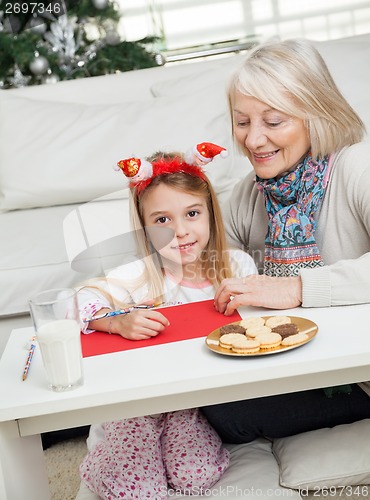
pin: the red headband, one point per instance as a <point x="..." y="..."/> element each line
<point x="141" y="172"/>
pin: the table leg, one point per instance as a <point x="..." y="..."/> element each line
<point x="23" y="473"/>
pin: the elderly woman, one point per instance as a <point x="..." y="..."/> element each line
<point x="304" y="216"/>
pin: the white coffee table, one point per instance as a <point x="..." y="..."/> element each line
<point x="163" y="378"/>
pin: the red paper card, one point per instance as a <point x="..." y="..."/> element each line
<point x="187" y="321"/>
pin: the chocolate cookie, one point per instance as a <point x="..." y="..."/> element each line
<point x="286" y="329"/>
<point x="232" y="329"/>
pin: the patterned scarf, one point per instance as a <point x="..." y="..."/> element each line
<point x="291" y="203"/>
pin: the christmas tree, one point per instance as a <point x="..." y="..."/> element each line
<point x="51" y="40"/>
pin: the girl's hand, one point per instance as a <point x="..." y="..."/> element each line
<point x="139" y="324"/>
<point x="259" y="291"/>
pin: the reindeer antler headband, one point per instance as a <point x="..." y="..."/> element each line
<point x="141" y="172"/>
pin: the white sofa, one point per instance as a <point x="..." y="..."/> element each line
<point x="58" y="144"/>
<point x="63" y="209"/>
<point x="316" y="464"/>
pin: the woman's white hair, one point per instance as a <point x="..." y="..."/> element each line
<point x="292" y="77"/>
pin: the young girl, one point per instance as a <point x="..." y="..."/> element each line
<point x="183" y="258"/>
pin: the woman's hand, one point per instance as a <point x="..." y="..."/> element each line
<point x="258" y="291"/>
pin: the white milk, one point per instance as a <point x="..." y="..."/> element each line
<point x="60" y="346"/>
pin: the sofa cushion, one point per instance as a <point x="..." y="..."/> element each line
<point x="55" y="153"/>
<point x="335" y="457"/>
<point x="353" y="77"/>
<point x="59" y="246"/>
<point x="200" y="77"/>
<point x="253" y="473"/>
<point x="119" y="87"/>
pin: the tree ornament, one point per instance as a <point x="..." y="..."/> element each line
<point x="50" y="77"/>
<point x="19" y="79"/>
<point x="100" y="4"/>
<point x="61" y="37"/>
<point x="1" y="20"/>
<point x="39" y="65"/>
<point x="37" y="25"/>
<point x="112" y="38"/>
<point x="75" y="42"/>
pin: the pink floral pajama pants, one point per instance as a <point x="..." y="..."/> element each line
<point x="142" y="457"/>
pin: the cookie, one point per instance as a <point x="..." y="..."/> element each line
<point x="227" y="339"/>
<point x="277" y="320"/>
<point x="286" y="329"/>
<point x="245" y="346"/>
<point x="269" y="340"/>
<point x="252" y="321"/>
<point x="232" y="329"/>
<point x="253" y="331"/>
<point x="298" y="338"/>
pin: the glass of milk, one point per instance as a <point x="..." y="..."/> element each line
<point x="56" y="321"/>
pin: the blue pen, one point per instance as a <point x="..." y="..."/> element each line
<point x="118" y="312"/>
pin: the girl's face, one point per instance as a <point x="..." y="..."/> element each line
<point x="187" y="217"/>
<point x="273" y="141"/>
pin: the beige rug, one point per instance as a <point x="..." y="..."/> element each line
<point x="63" y="460"/>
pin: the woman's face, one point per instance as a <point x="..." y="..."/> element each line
<point x="273" y="141"/>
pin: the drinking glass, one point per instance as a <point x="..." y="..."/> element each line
<point x="56" y="321"/>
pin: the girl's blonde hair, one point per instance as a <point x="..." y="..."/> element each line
<point x="292" y="77"/>
<point x="215" y="259"/>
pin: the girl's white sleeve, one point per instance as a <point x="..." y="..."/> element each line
<point x="242" y="263"/>
<point x="90" y="301"/>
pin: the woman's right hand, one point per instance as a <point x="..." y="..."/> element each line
<point x="139" y="324"/>
<point x="258" y="291"/>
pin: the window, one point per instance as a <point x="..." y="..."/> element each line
<point x="185" y="23"/>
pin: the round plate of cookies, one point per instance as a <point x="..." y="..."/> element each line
<point x="261" y="335"/>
